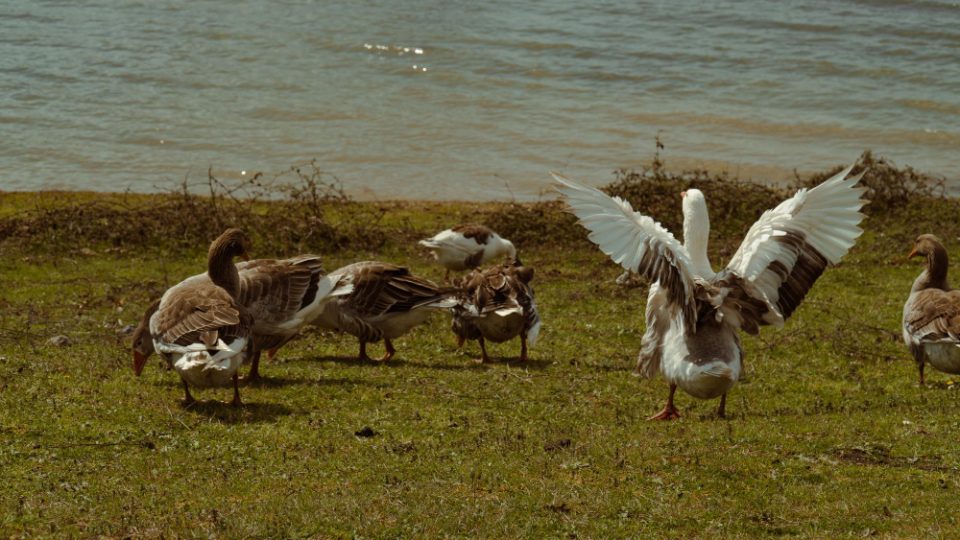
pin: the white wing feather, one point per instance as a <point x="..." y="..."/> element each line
<point x="827" y="219"/>
<point x="634" y="241"/>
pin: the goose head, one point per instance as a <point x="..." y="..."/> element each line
<point x="696" y="229"/>
<point x="232" y="243"/>
<point x="929" y="246"/>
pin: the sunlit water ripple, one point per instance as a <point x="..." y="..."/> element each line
<point x="469" y="100"/>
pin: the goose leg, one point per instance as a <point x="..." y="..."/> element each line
<point x="187" y="398"/>
<point x="920" y="367"/>
<point x="483" y="351"/>
<point x="523" y="347"/>
<point x="390" y="350"/>
<point x="363" y="351"/>
<point x="669" y="412"/>
<point x="460" y="340"/>
<point x="722" y="409"/>
<point x="254" y="374"/>
<point x="271" y="353"/>
<point x="236" y="391"/>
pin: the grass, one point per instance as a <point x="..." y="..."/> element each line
<point x="829" y="435"/>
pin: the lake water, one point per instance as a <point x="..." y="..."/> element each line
<point x="469" y="100"/>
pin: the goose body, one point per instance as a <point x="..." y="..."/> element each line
<point x="693" y="314"/>
<point x="385" y="301"/>
<point x="931" y="314"/>
<point x="497" y="304"/>
<point x="282" y="296"/>
<point x="468" y="246"/>
<point x="198" y="325"/>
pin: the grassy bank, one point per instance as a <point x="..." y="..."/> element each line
<point x="829" y="435"/>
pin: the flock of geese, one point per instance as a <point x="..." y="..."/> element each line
<point x="208" y="325"/>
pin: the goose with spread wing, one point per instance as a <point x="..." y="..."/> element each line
<point x="931" y="315"/>
<point x="693" y="314"/>
<point x="385" y="302"/>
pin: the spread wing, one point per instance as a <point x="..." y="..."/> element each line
<point x="636" y="242"/>
<point x="788" y="248"/>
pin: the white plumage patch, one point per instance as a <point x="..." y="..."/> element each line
<point x="633" y="240"/>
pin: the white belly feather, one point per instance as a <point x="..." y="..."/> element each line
<point x="704" y="372"/>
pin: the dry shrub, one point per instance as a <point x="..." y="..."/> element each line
<point x="889" y="188"/>
<point x="300" y="209"/>
<point x="533" y="224"/>
<point x="304" y="209"/>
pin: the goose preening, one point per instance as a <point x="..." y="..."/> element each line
<point x="282" y="296"/>
<point x="468" y="246"/>
<point x="694" y="314"/>
<point x="931" y="315"/>
<point x="198" y="325"/>
<point x="496" y="304"/>
<point x="386" y="301"/>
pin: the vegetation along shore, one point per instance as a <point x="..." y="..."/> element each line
<point x="828" y="435"/>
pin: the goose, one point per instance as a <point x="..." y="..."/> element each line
<point x="497" y="304"/>
<point x="386" y="301"/>
<point x="198" y="325"/>
<point x="693" y="314"/>
<point x="282" y="295"/>
<point x="467" y="246"/>
<point x="931" y="315"/>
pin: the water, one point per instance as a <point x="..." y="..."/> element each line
<point x="470" y="100"/>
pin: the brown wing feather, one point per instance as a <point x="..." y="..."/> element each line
<point x="274" y="290"/>
<point x="935" y="314"/>
<point x="479" y="233"/>
<point x="381" y="288"/>
<point x="189" y="311"/>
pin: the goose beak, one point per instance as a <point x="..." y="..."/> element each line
<point x="913" y="253"/>
<point x="683" y="194"/>
<point x="139" y="360"/>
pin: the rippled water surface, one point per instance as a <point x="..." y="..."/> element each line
<point x="468" y="100"/>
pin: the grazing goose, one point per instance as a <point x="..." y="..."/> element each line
<point x="694" y="314"/>
<point x="468" y="246"/>
<point x="497" y="304"/>
<point x="198" y="325"/>
<point x="282" y="296"/>
<point x="386" y="302"/>
<point x="931" y="316"/>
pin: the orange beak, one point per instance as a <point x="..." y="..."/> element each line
<point x="683" y="194"/>
<point x="913" y="252"/>
<point x="139" y="360"/>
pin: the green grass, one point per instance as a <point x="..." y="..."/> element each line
<point x="828" y="436"/>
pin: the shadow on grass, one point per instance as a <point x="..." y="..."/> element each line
<point x="460" y="363"/>
<point x="248" y="413"/>
<point x="282" y="382"/>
